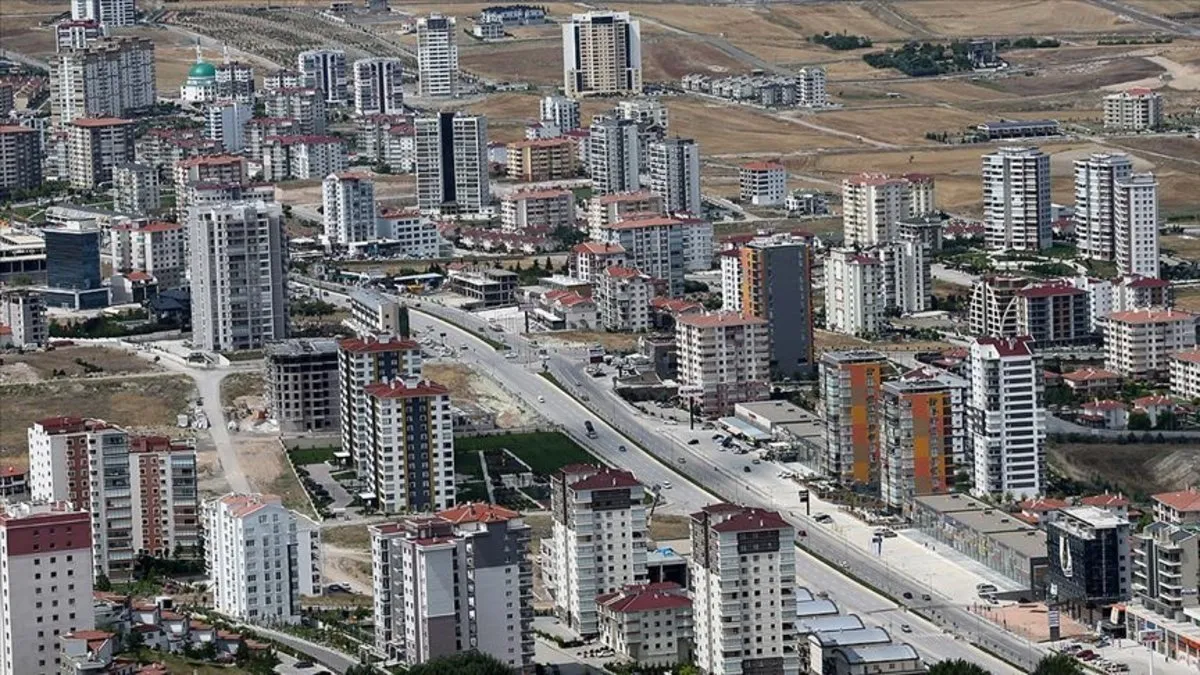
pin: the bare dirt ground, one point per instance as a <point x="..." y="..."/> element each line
<point x="68" y="361"/>
<point x="243" y="390"/>
<point x="1030" y="620"/>
<point x="469" y="385"/>
<point x="1136" y="468"/>
<point x="1012" y="17"/>
<point x="263" y="460"/>
<point x="612" y="342"/>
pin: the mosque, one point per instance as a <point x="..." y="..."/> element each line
<point x="201" y="84"/>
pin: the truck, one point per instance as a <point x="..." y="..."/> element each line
<point x="591" y="430"/>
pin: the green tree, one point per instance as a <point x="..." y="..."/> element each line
<point x="467" y="663"/>
<point x="103" y="584"/>
<point x="1058" y="664"/>
<point x="957" y="667"/>
<point x="1139" y="421"/>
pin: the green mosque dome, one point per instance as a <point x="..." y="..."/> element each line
<point x="202" y="70"/>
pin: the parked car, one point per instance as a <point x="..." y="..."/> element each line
<point x="621" y="448"/>
<point x="908" y="596"/>
<point x="905" y="628"/>
<point x="746" y="469"/>
<point x="925" y="597"/>
<point x="694" y="441"/>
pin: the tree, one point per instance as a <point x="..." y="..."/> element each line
<point x="103" y="584"/>
<point x="957" y="667"/>
<point x="467" y="663"/>
<point x="1058" y="664"/>
<point x="1138" y="421"/>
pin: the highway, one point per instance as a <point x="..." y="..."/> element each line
<point x="617" y="424"/>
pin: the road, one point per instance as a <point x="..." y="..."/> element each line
<point x="338" y="662"/>
<point x="1147" y="18"/>
<point x="617" y="425"/>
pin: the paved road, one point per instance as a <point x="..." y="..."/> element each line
<point x="1148" y="18"/>
<point x="338" y="662"/>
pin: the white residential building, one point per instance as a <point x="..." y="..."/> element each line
<point x="417" y="235"/>
<point x="763" y="183"/>
<point x="157" y="248"/>
<point x="731" y="281"/>
<point x="407" y="447"/>
<point x="724" y="358"/>
<point x="261" y="557"/>
<point x="110" y="13"/>
<point x="305" y="105"/>
<point x="602" y="54"/>
<point x="922" y="195"/>
<point x="1135" y="224"/>
<point x="302" y="157"/>
<point x="454" y="581"/>
<point x="746" y="552"/>
<point x="1139" y="343"/>
<point x="560" y="111"/>
<point x="590" y="258"/>
<point x="238" y="270"/>
<point x="1096" y="179"/>
<point x="674" y="168"/>
<point x="94" y="146"/>
<point x="1185" y="374"/>
<point x="604" y="210"/>
<point x="697" y="240"/>
<point x="654" y="245"/>
<point x="110" y="77"/>
<point x="373" y="312"/>
<point x="1016" y="199"/>
<point x="437" y="56"/>
<point x="1136" y="109"/>
<point x="24" y="313"/>
<point x="452" y="163"/>
<point x="364" y="361"/>
<point x="135" y="188"/>
<point x="77" y="33"/>
<point x="613" y="157"/>
<point x="810" y="87"/>
<point x="587" y="500"/>
<point x="545" y="210"/>
<point x="45" y="583"/>
<point x="854" y="293"/>
<point x="649" y="624"/>
<point x="324" y="70"/>
<point x="872" y="207"/>
<point x="349" y="201"/>
<point x="907" y="276"/>
<point x="1007" y="417"/>
<point x="225" y="123"/>
<point x="378" y="87"/>
<point x="622" y="295"/>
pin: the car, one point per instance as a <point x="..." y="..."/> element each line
<point x="908" y="595"/>
<point x="666" y="485"/>
<point x="823" y="518"/>
<point x="925" y="597"/>
<point x="303" y="664"/>
<point x="694" y="441"/>
<point x="756" y="461"/>
<point x="621" y="448"/>
<point x="510" y="356"/>
<point x="802" y="533"/>
<point x="683" y="460"/>
<point x="905" y="628"/>
<point x="746" y="469"/>
<point x="541" y="399"/>
<point x="717" y="437"/>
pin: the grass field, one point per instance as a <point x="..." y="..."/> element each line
<point x="303" y="456"/>
<point x="904" y="126"/>
<point x="348" y="536"/>
<point x="1188" y="299"/>
<point x="544" y="452"/>
<point x="141" y="403"/>
<point x="537" y="62"/>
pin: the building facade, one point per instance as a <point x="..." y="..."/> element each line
<point x="452" y="163"/>
<point x="154" y="247"/>
<point x="543" y="159"/>
<point x="1091" y="561"/>
<point x="649" y="624"/>
<point x="872" y="207"/>
<point x="762" y="183"/>
<point x="923" y="436"/>
<point x="653" y="245"/>
<point x="674" y="168"/>
<point x="24" y="313"/>
<point x="1007" y="417"/>
<point x="1016" y="199"/>
<point x="538" y="210"/>
<point x="408" y="446"/>
<point x="1136" y="109"/>
<point x="325" y="71"/>
<point x="1095" y="215"/>
<point x="854" y="292"/>
<point x="364" y="361"/>
<point x="378" y="87"/>
<point x="776" y="285"/>
<point x="1135" y="225"/>
<point x="724" y="358"/>
<point x="20" y="158"/>
<point x="350" y="213"/>
<point x="437" y="56"/>
<point x="602" y="54"/>
<point x="622" y="296"/>
<point x="1139" y="343"/>
<point x="851" y="385"/>
<point x="135" y="189"/>
<point x="613" y="156"/>
<point x="110" y="77"/>
<point x="302" y="385"/>
<point x="94" y="146"/>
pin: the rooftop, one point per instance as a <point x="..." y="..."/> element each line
<point x="719" y="319"/>
<point x="383" y="343"/>
<point x="1008" y="346"/>
<point x="1150" y="316"/>
<point x="399" y="389"/>
<point x="478" y="513"/>
<point x="94" y="122"/>
<point x="645" y="598"/>
<point x="1087" y="374"/>
<point x="1181" y="500"/>
<point x="598" y="248"/>
<point x="606" y="478"/>
<point x="867" y="654"/>
<point x="1105" y="500"/>
<point x="302" y="346"/>
<point x="763" y="166"/>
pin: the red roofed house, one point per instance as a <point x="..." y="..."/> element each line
<point x="1038" y="509"/>
<point x="590" y="258"/>
<point x="623" y="298"/>
<point x="664" y="311"/>
<point x="566" y="310"/>
<point x="763" y="183"/>
<point x="1185" y="374"/>
<point x="763" y="539"/>
<point x="1091" y="381"/>
<point x="649" y="624"/>
<point x="1106" y="414"/>
<point x="1139" y="343"/>
<point x="587" y="499"/>
<point x="1153" y="406"/>
<point x="1139" y="292"/>
<point x="1178" y="508"/>
<point x="1117" y="504"/>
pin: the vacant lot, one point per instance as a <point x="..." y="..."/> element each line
<point x="144" y="403"/>
<point x="1188" y="299"/>
<point x="241" y="386"/>
<point x="905" y="126"/>
<point x="726" y="128"/>
<point x="840" y="17"/>
<point x="671" y="57"/>
<point x="612" y="342"/>
<point x="1012" y="17"/>
<point x="70" y="362"/>
<point x="467" y="385"/>
<point x="1084" y="77"/>
<point x="537" y="62"/>
<point x="1136" y="468"/>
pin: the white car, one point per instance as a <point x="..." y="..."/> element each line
<point x="666" y="485"/>
<point x="510" y="356"/>
<point x="541" y="399"/>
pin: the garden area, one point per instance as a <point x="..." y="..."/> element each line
<point x="518" y="467"/>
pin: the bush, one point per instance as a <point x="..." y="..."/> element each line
<point x="841" y="41"/>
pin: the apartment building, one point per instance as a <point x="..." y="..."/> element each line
<point x="1054" y="314"/>
<point x="140" y="491"/>
<point x="20" y="158"/>
<point x="110" y="13"/>
<point x="302" y="157"/>
<point x="648" y="624"/>
<point x="1095" y="215"/>
<point x="1136" y="225"/>
<point x="154" y="247"/>
<point x="364" y="361"/>
<point x="604" y="210"/>
<point x="613" y="155"/>
<point x="226" y="122"/>
<point x="350" y="214"/>
<point x="542" y="159"/>
<point x="622" y="296"/>
<point x="260" y="557"/>
<point x="283" y="78"/>
<point x="1091" y="561"/>
<point x="539" y="210"/>
<point x="724" y="358"/>
<point x="851" y="404"/>
<point x="922" y="193"/>
<point x="776" y="285"/>
<point x="408" y="446"/>
<point x="1136" y="109"/>
<point x="207" y="169"/>
<point x="111" y="77"/>
<point x="135" y="188"/>
<point x="452" y="163"/>
<point x="873" y="204"/>
<point x="94" y="146"/>
<point x="1016" y="199"/>
<point x="77" y="33"/>
<point x="1185" y="374"/>
<point x="302" y="385"/>
<point x="743" y="574"/>
<point x="697" y="239"/>
<point x="416" y="235"/>
<point x="24" y="313"/>
<point x="238" y="256"/>
<point x="437" y="56"/>
<point x="234" y="81"/>
<point x="653" y="244"/>
<point x="589" y="259"/>
<point x="1181" y="507"/>
<point x="602" y="54"/>
<point x="379" y="87"/>
<point x="854" y="292"/>
<point x="994" y="305"/>
<point x="731" y="280"/>
<point x="372" y="312"/>
<point x="762" y="183"/>
<point x="486" y="286"/>
<point x="46" y="572"/>
<point x="923" y="435"/>
<point x="907" y="276"/>
<point x="1166" y="569"/>
<point x="674" y="168"/>
<point x="599" y="540"/>
<point x="325" y="71"/>
<point x="1007" y="417"/>
<point x="560" y="111"/>
<point x="305" y="105"/>
<point x="1139" y="343"/>
<point x="457" y="580"/>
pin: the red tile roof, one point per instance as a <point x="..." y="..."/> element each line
<point x="1049" y="290"/>
<point x="874" y="179"/>
<point x="89" y="122"/>
<point x="622" y="272"/>
<point x="399" y="389"/>
<point x="1181" y="500"/>
<point x="1150" y="316"/>
<point x="536" y="194"/>
<point x="636" y="196"/>
<point x="648" y="221"/>
<point x="1086" y="374"/>
<point x="478" y="513"/>
<point x="717" y="319"/>
<point x="752" y="520"/>
<point x="90" y="635"/>
<point x="675" y="305"/>
<point x="763" y="166"/>
<point x="1043" y="505"/>
<point x="1103" y="405"/>
<point x="1009" y="346"/>
<point x="1147" y="401"/>
<point x="605" y="479"/>
<point x="598" y="248"/>
<point x="375" y="344"/>
<point x="1145" y="282"/>
<point x="645" y="598"/>
<point x="1104" y="500"/>
<point x="1191" y="356"/>
<point x="15" y="129"/>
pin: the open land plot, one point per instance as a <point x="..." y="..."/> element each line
<point x="70" y="362"/>
<point x="1013" y="17"/>
<point x="944" y="91"/>
<point x="792" y="52"/>
<point x="451" y="8"/>
<point x="468" y="385"/>
<point x="1185" y="246"/>
<point x="143" y="403"/>
<point x="544" y="452"/>
<point x="26" y="35"/>
<point x="841" y="17"/>
<point x="901" y="125"/>
<point x="1135" y="468"/>
<point x="718" y="20"/>
<point x="1188" y="299"/>
<point x="1164" y="7"/>
<point x="672" y="57"/>
<point x="1084" y="77"/>
<point x="527" y="61"/>
<point x="725" y="128"/>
